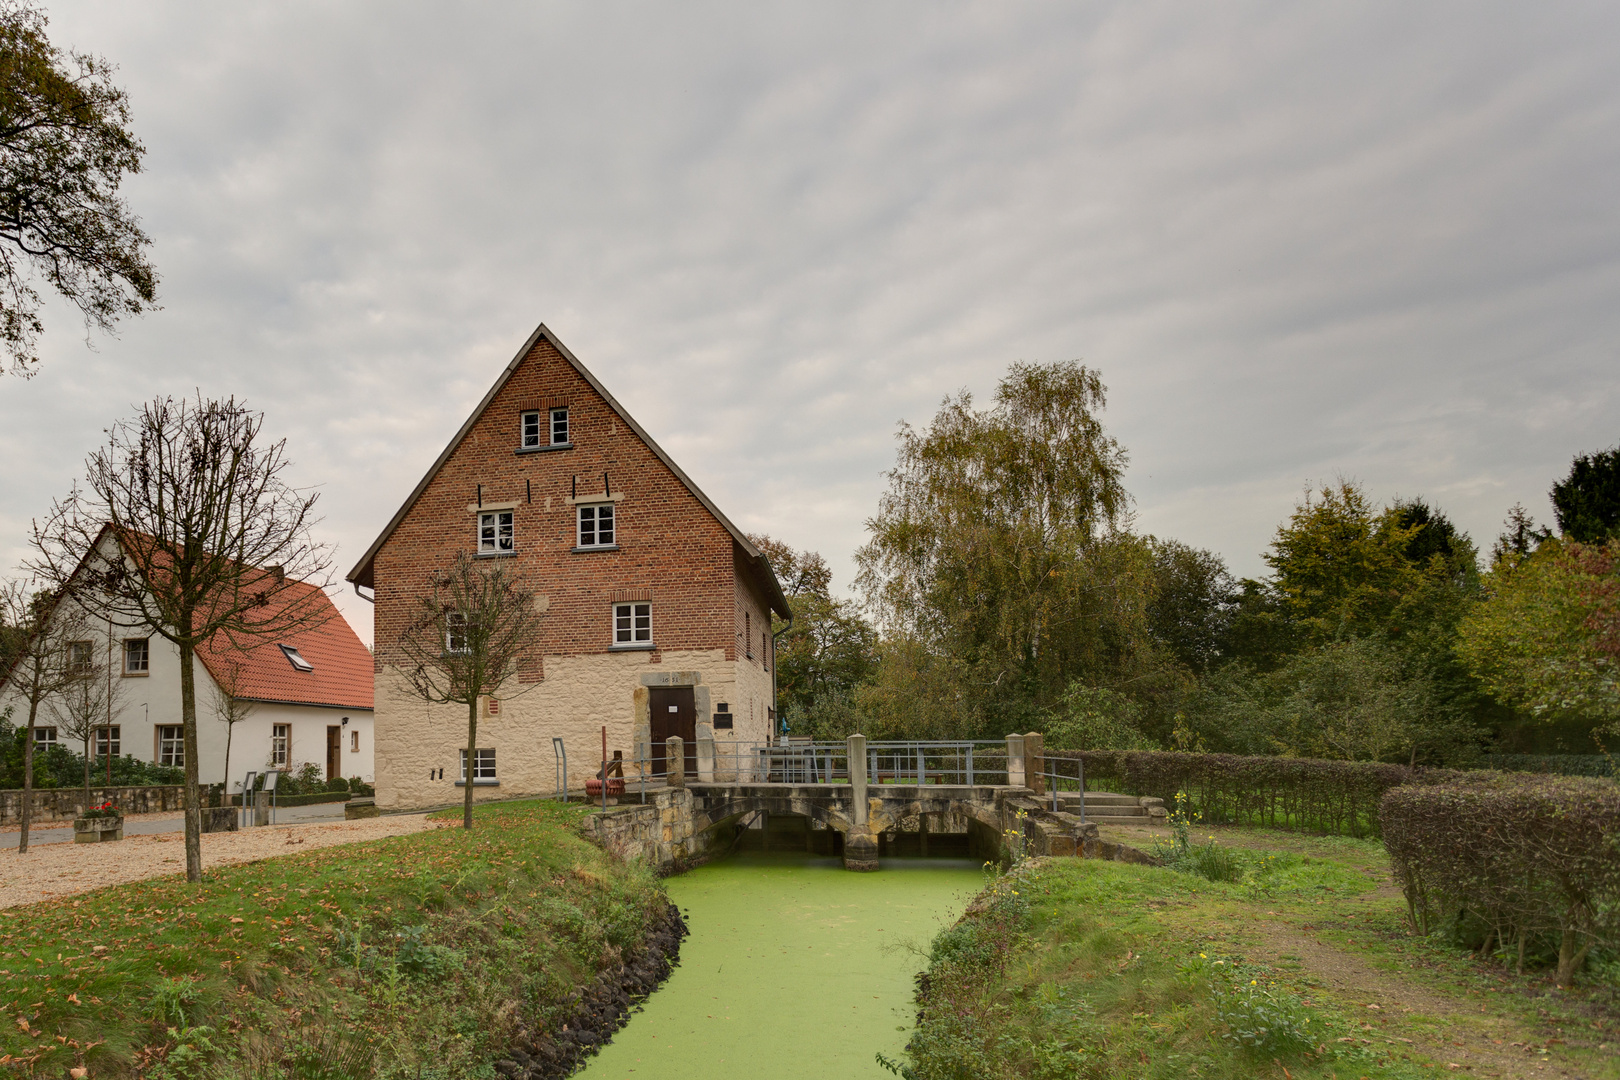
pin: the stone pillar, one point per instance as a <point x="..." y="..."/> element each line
<point x="1035" y="762"/>
<point x="1015" y="761"/>
<point x="675" y="762"/>
<point x="860" y="846"/>
<point x="705" y="754"/>
<point x="261" y="808"/>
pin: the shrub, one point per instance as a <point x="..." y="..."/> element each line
<point x="337" y="783"/>
<point x="1556" y="764"/>
<point x="1536" y="859"/>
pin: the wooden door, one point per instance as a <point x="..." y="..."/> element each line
<point x="673" y="712"/>
<point x="334" y="752"/>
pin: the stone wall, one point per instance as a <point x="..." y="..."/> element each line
<point x="661" y="831"/>
<point x="57" y="804"/>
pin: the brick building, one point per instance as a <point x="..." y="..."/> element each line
<point x="657" y="608"/>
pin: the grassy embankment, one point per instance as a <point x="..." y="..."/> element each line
<point x="416" y="956"/>
<point x="1303" y="968"/>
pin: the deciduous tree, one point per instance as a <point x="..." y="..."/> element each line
<point x="94" y="698"/>
<point x="40" y="669"/>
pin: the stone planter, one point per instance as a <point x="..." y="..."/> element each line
<point x="358" y="808"/>
<point x="97" y="830"/>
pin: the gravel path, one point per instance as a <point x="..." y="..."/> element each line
<point x="56" y="870"/>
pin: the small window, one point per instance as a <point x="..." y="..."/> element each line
<point x="108" y="741"/>
<point x="81" y="657"/>
<point x="596" y="525"/>
<point x="495" y="532"/>
<point x="44" y="738"/>
<point x="296" y="660"/>
<point x="531" y="429"/>
<point x="632" y="624"/>
<point x="354" y="742"/>
<point x="137" y="656"/>
<point x="280" y="745"/>
<point x="171" y="748"/>
<point x="559" y="427"/>
<point x="455" y="632"/>
<point x="483" y="767"/>
<point x="748" y="634"/>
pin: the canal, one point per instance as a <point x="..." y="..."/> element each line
<point x="794" y="968"/>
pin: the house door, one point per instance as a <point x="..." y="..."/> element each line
<point x="674" y="712"/>
<point x="334" y="752"/>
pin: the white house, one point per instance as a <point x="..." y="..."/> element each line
<point x="308" y="698"/>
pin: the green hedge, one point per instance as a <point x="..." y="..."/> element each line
<point x="1308" y="794"/>
<point x="302" y="800"/>
<point x="1555" y="764"/>
<point x="1535" y="858"/>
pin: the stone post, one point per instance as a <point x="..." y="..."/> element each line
<point x="261" y="808"/>
<point x="675" y="762"/>
<point x="1035" y="762"/>
<point x="1015" y="761"/>
<point x="860" y="846"/>
<point x="705" y="754"/>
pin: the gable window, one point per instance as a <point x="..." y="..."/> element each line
<point x="483" y="767"/>
<point x="280" y="745"/>
<point x="455" y="632"/>
<point x="531" y="430"/>
<point x="559" y="427"/>
<point x="295" y="659"/>
<point x="171" y="745"/>
<point x="44" y="738"/>
<point x="80" y="657"/>
<point x="107" y="741"/>
<point x="632" y="624"/>
<point x="137" y="656"/>
<point x="596" y="525"/>
<point x="495" y="532"/>
<point x="543" y="429"/>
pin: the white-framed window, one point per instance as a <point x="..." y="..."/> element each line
<point x="455" y="632"/>
<point x="171" y="745"/>
<point x="354" y="742"/>
<point x="137" y="656"/>
<point x="280" y="745"/>
<point x="559" y="426"/>
<point x="596" y="525"/>
<point x="483" y="767"/>
<point x="107" y="741"/>
<point x="531" y="430"/>
<point x="632" y="624"/>
<point x="44" y="738"/>
<point x="81" y="657"/>
<point x="495" y="532"/>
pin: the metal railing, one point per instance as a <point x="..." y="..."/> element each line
<point x="1057" y="782"/>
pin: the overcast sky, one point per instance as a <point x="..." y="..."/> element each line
<point x="1298" y="240"/>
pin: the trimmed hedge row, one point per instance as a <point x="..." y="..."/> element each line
<point x="1308" y="794"/>
<point x="1555" y="764"/>
<point x="1536" y="858"/>
<point x="303" y="800"/>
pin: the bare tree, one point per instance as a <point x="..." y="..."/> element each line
<point x="43" y="627"/>
<point x="231" y="710"/>
<point x="474" y="623"/>
<point x="93" y="699"/>
<point x="187" y="527"/>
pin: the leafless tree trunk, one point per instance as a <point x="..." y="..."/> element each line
<point x="187" y="527"/>
<point x="93" y="699"/>
<point x="44" y="627"/>
<point x="231" y="710"/>
<point x="474" y="621"/>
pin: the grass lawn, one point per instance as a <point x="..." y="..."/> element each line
<point x="1081" y="968"/>
<point x="417" y="956"/>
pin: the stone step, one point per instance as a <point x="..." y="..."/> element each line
<point x="1112" y="819"/>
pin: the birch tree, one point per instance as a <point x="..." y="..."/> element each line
<point x="186" y="525"/>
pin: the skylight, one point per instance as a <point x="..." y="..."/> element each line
<point x="295" y="659"/>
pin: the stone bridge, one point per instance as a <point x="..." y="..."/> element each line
<point x="682" y="820"/>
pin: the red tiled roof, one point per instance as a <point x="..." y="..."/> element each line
<point x="343" y="668"/>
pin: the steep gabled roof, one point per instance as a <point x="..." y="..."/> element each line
<point x="361" y="575"/>
<point x="259" y="669"/>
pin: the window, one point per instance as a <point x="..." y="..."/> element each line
<point x="455" y="632"/>
<point x="280" y="745"/>
<point x="44" y="738"/>
<point x="81" y="658"/>
<point x="137" y="656"/>
<point x="107" y="741"/>
<point x="632" y="624"/>
<point x="171" y="749"/>
<point x="531" y="430"/>
<point x="596" y="525"/>
<point x="483" y="768"/>
<point x="293" y="658"/>
<point x="559" y="427"/>
<point x="495" y="532"/>
<point x="354" y="742"/>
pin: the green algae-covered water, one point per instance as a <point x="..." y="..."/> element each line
<point x="794" y="968"/>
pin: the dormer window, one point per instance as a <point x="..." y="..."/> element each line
<point x="295" y="659"/>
